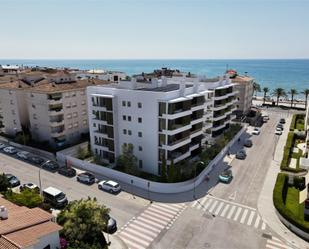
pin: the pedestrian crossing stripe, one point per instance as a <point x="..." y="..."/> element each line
<point x="275" y="243"/>
<point x="140" y="232"/>
<point x="230" y="210"/>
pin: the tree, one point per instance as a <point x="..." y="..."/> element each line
<point x="163" y="170"/>
<point x="279" y="92"/>
<point x="256" y="88"/>
<point x="293" y="92"/>
<point x="83" y="222"/>
<point x="127" y="161"/>
<point x="306" y="93"/>
<point x="265" y="90"/>
<point x="28" y="198"/>
<point x="4" y="183"/>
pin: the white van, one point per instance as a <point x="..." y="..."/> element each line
<point x="55" y="197"/>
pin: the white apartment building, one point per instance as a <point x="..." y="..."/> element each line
<point x="53" y="107"/>
<point x="113" y="76"/>
<point x="160" y="120"/>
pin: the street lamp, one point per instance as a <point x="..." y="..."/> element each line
<point x="202" y="163"/>
<point x="40" y="182"/>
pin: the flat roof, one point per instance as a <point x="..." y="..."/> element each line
<point x="52" y="191"/>
<point x="167" y="88"/>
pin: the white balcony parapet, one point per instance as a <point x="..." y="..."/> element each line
<point x="58" y="134"/>
<point x="177" y="144"/>
<point x="221" y="126"/>
<point x="56" y="123"/>
<point x="180" y="157"/>
<point x="226" y="95"/>
<point x="54" y="113"/>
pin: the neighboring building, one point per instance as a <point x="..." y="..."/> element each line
<point x="162" y="121"/>
<point x="53" y="107"/>
<point x="9" y="69"/>
<point x="24" y="228"/>
<point x="113" y="76"/>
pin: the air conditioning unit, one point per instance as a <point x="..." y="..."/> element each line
<point x="3" y="213"/>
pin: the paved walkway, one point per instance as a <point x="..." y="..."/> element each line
<point x="265" y="202"/>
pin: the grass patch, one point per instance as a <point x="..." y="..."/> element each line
<point x="298" y="122"/>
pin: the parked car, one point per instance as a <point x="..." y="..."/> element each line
<point x="10" y="150"/>
<point x="226" y="176"/>
<point x="110" y="186"/>
<point x="241" y="154"/>
<point x="35" y="159"/>
<point x="69" y="172"/>
<point x="111" y="224"/>
<point x="29" y="186"/>
<point x="282" y="121"/>
<point x="280" y="126"/>
<point x="50" y="165"/>
<point x="86" y="178"/>
<point x="13" y="180"/>
<point x="256" y="131"/>
<point x="55" y="197"/>
<point x="24" y="155"/>
<point x="248" y="143"/>
<point x="278" y="132"/>
<point x="2" y="145"/>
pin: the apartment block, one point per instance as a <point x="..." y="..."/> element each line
<point x="112" y="76"/>
<point x="161" y="120"/>
<point x="52" y="106"/>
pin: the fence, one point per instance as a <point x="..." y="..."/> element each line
<point x="167" y="188"/>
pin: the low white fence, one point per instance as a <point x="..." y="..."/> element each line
<point x="69" y="152"/>
<point x="167" y="188"/>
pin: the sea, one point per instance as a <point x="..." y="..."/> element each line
<point x="271" y="73"/>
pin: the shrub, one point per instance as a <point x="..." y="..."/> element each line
<point x="4" y="183"/>
<point x="28" y="198"/>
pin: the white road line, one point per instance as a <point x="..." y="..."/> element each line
<point x="257" y="221"/>
<point x="219" y="208"/>
<point x="143" y="224"/>
<point x="177" y="205"/>
<point x="154" y="219"/>
<point x="132" y="244"/>
<point x="271" y="247"/>
<point x="237" y="213"/>
<point x="250" y="218"/>
<point x="263" y="226"/>
<point x="207" y="204"/>
<point x="276" y="239"/>
<point x="135" y="239"/>
<point x="225" y="210"/>
<point x="194" y="204"/>
<point x="165" y="210"/>
<point x="243" y="217"/>
<point x="160" y="217"/>
<point x="231" y="212"/>
<point x="144" y="230"/>
<point x="213" y="206"/>
<point x="166" y="214"/>
<point x="230" y="202"/>
<point x="167" y="206"/>
<point x="133" y="232"/>
<point x="202" y="202"/>
<point x="281" y="245"/>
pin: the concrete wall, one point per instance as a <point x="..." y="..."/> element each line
<point x="51" y="239"/>
<point x="38" y="152"/>
<point x="142" y="183"/>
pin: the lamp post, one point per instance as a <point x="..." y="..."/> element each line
<point x="40" y="182"/>
<point x="200" y="162"/>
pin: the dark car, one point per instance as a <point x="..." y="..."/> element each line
<point x="13" y="180"/>
<point x="241" y="154"/>
<point x="29" y="186"/>
<point x="86" y="178"/>
<point x="50" y="165"/>
<point x="69" y="172"/>
<point x="282" y="121"/>
<point x="111" y="224"/>
<point x="280" y="126"/>
<point x="248" y="143"/>
<point x="35" y="159"/>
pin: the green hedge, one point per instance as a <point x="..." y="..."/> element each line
<point x="279" y="196"/>
<point x="297" y="122"/>
<point x="293" y="123"/>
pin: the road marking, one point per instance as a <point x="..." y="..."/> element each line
<point x="160" y="212"/>
<point x="207" y="204"/>
<point x="237" y="213"/>
<point x="225" y="210"/>
<point x="219" y="208"/>
<point x="194" y="203"/>
<point x="230" y="202"/>
<point x="257" y="221"/>
<point x="167" y="206"/>
<point x="131" y="243"/>
<point x="213" y="206"/>
<point x="250" y="218"/>
<point x="263" y="226"/>
<point x="243" y="217"/>
<point x="159" y="216"/>
<point x="155" y="219"/>
<point x="143" y="229"/>
<point x="144" y="224"/>
<point x="233" y="196"/>
<point x="201" y="202"/>
<point x="172" y="212"/>
<point x="231" y="212"/>
<point x="134" y="238"/>
<point x="276" y="243"/>
<point x="142" y="235"/>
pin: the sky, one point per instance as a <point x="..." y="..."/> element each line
<point x="154" y="29"/>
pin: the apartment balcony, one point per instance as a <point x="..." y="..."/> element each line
<point x="198" y="120"/>
<point x="178" y="129"/>
<point x="177" y="114"/>
<point x="100" y="108"/>
<point x="178" y="156"/>
<point x="100" y="146"/>
<point x="221" y="126"/>
<point x="55" y="112"/>
<point x="57" y="134"/>
<point x="194" y="147"/>
<point x="196" y="133"/>
<point x="207" y="125"/>
<point x="55" y="101"/>
<point x="198" y="107"/>
<point x="223" y="106"/>
<point x="226" y="95"/>
<point x="56" y="123"/>
<point x="176" y="144"/>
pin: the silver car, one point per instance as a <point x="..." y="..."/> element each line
<point x="109" y="186"/>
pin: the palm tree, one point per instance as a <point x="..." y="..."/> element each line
<point x="279" y="92"/>
<point x="306" y="93"/>
<point x="265" y="90"/>
<point x="293" y="92"/>
<point x="256" y="87"/>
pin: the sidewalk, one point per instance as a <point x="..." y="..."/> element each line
<point x="265" y="202"/>
<point x="115" y="242"/>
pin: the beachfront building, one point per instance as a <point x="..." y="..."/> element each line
<point x="112" y="76"/>
<point x="52" y="106"/>
<point x="162" y="121"/>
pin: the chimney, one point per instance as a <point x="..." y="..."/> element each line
<point x="3" y="213"/>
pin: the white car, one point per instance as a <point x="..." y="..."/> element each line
<point x="2" y="145"/>
<point x="10" y="150"/>
<point x="278" y="131"/>
<point x="110" y="186"/>
<point x="256" y="131"/>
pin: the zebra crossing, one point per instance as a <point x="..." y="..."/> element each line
<point x="230" y="210"/>
<point x="140" y="232"/>
<point x="275" y="243"/>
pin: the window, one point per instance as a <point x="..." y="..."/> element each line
<point x="140" y="148"/>
<point x="124" y="131"/>
<point x="85" y="122"/>
<point x="10" y="91"/>
<point x="84" y="112"/>
<point x="129" y="103"/>
<point x="140" y="164"/>
<point x="12" y="102"/>
<point x="123" y="103"/>
<point x="129" y="118"/>
<point x="34" y="116"/>
<point x="14" y="121"/>
<point x="140" y="134"/>
<point x="73" y="94"/>
<point x="140" y="120"/>
<point x="69" y="116"/>
<point x="83" y="102"/>
<point x="13" y="112"/>
<point x="129" y="132"/>
<point x="68" y="105"/>
<point x="74" y="104"/>
<point x="94" y="125"/>
<point x="139" y="105"/>
<point x="70" y="126"/>
<point x="33" y="106"/>
<point x="75" y="114"/>
<point x="124" y="117"/>
<point x="75" y="124"/>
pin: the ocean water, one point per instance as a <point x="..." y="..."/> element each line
<point x="286" y="74"/>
